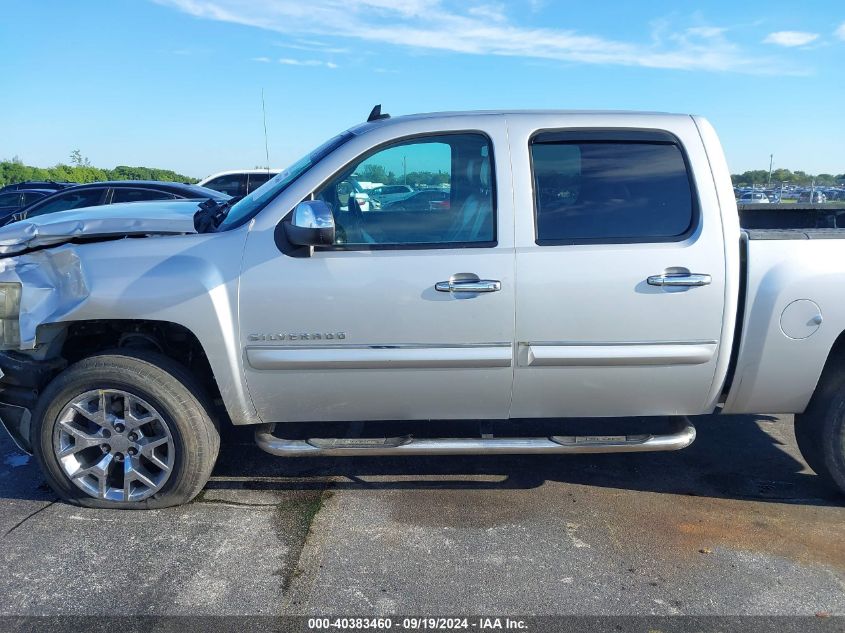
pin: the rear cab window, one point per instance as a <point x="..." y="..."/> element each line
<point x="611" y="187"/>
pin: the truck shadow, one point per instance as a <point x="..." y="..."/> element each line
<point x="733" y="457"/>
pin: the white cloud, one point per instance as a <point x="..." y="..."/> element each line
<point x="317" y="47"/>
<point x="288" y="61"/>
<point x="840" y="32"/>
<point x="494" y="12"/>
<point x="791" y="38"/>
<point x="481" y="29"/>
<point x="263" y="60"/>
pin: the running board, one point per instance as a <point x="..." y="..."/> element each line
<point x="682" y="435"/>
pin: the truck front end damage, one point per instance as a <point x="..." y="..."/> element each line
<point x="43" y="282"/>
<point x="22" y="376"/>
<point x="35" y="288"/>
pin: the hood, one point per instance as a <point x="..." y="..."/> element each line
<point x="168" y="217"/>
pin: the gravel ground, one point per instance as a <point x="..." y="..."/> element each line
<point x="736" y="524"/>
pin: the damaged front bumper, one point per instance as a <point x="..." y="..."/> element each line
<point x="21" y="379"/>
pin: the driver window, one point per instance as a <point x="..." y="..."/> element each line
<point x="428" y="191"/>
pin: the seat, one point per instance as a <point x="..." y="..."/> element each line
<point x="474" y="221"/>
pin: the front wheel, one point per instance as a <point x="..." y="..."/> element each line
<point x="820" y="430"/>
<point x="125" y="430"/>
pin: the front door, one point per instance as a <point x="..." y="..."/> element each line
<point x="410" y="314"/>
<point x="620" y="276"/>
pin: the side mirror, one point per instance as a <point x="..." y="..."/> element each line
<point x="312" y="224"/>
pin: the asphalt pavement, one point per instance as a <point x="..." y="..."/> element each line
<point x="734" y="525"/>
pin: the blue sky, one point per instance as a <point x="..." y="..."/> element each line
<point x="177" y="83"/>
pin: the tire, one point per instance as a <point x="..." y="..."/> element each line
<point x="125" y="429"/>
<point x="820" y="430"/>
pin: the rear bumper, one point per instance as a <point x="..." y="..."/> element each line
<point x="21" y="380"/>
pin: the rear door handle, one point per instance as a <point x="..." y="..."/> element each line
<point x="679" y="279"/>
<point x="468" y="282"/>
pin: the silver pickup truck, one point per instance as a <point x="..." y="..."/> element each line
<point x="554" y="265"/>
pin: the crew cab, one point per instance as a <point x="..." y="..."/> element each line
<point x="589" y="265"/>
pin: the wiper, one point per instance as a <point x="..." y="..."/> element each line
<point x="211" y="213"/>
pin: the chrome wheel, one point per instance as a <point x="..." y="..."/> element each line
<point x="114" y="445"/>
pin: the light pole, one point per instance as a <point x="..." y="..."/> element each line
<point x="771" y="162"/>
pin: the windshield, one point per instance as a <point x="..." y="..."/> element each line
<point x="246" y="208"/>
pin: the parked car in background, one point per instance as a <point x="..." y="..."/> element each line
<point x="390" y="190"/>
<point x="238" y="182"/>
<point x="45" y="185"/>
<point x="753" y="197"/>
<point x="424" y="200"/>
<point x="112" y="192"/>
<point x="812" y="197"/>
<point x="14" y="200"/>
<point x="389" y="193"/>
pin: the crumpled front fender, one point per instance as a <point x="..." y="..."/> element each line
<point x="54" y="284"/>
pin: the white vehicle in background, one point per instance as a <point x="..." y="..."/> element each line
<point x="753" y="197"/>
<point x="368" y="186"/>
<point x="238" y="182"/>
<point x="351" y="188"/>
<point x="390" y="193"/>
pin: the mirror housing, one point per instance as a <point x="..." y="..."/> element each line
<point x="312" y="224"/>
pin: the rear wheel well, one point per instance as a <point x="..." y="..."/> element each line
<point x="81" y="339"/>
<point x="835" y="361"/>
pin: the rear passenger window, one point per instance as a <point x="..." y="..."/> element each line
<point x="67" y="201"/>
<point x="610" y="191"/>
<point x="138" y="195"/>
<point x="256" y="180"/>
<point x="230" y="184"/>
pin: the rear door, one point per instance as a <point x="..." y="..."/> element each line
<point x="620" y="273"/>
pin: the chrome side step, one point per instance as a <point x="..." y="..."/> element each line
<point x="681" y="436"/>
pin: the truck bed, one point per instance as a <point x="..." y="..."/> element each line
<point x="789" y="282"/>
<point x="796" y="234"/>
<point x="793" y="221"/>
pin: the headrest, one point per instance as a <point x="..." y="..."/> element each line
<point x="473" y="167"/>
<point x="484" y="173"/>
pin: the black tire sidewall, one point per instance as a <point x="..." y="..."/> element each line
<point x="832" y="440"/>
<point x="181" y="407"/>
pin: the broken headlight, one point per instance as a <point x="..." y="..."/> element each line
<point x="10" y="309"/>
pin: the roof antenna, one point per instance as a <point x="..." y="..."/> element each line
<point x="376" y="115"/>
<point x="266" y="143"/>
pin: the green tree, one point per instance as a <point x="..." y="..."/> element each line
<point x="78" y="160"/>
<point x="12" y="171"/>
<point x="373" y="173"/>
<point x="798" y="177"/>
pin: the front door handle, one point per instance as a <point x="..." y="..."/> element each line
<point x="679" y="279"/>
<point x="468" y="282"/>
